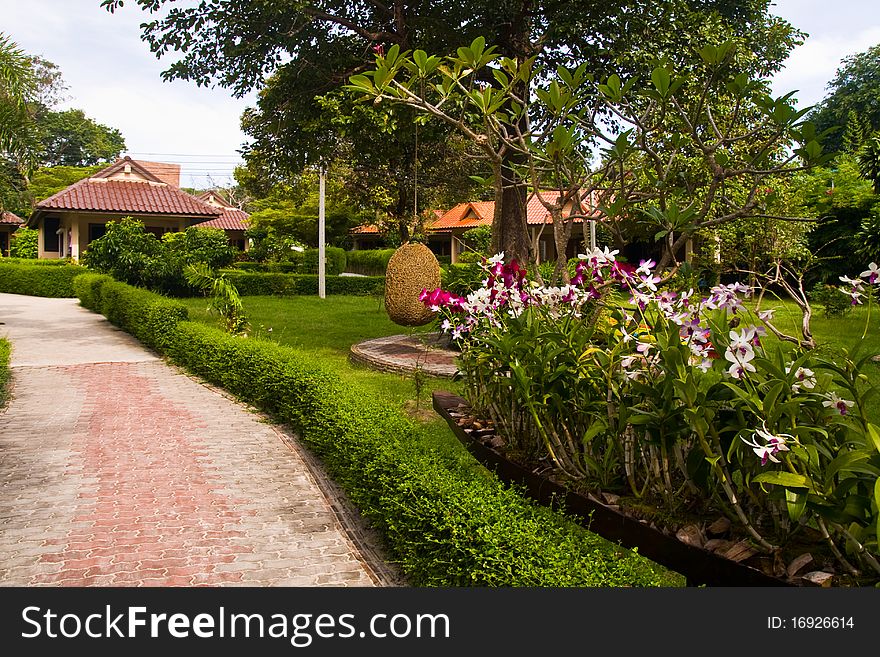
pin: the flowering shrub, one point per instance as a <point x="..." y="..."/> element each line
<point x="615" y="382"/>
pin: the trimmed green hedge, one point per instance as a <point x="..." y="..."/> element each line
<point x="45" y="262"/>
<point x="150" y="317"/>
<point x="283" y="285"/>
<point x="38" y="280"/>
<point x="370" y="262"/>
<point x="305" y="262"/>
<point x="446" y="527"/>
<point x="444" y="524"/>
<point x="5" y="375"/>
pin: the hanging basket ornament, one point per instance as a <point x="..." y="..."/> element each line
<point x="411" y="269"/>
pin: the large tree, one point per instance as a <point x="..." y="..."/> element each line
<point x="18" y="132"/>
<point x="321" y="43"/>
<point x="69" y="138"/>
<point x="853" y="101"/>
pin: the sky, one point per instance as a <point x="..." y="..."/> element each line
<point x="114" y="78"/>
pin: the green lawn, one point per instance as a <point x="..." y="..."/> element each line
<point x="835" y="334"/>
<point x="328" y="327"/>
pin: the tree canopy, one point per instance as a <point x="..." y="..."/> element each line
<point x="306" y="50"/>
<point x="853" y="102"/>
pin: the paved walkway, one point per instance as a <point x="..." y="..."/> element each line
<point x="119" y="470"/>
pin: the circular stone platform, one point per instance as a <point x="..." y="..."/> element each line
<point x="406" y="353"/>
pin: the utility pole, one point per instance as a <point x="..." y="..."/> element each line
<point x="322" y="283"/>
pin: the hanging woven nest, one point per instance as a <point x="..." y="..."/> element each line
<point x="411" y="269"/>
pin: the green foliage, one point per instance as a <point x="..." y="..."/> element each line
<point x="5" y="375"/>
<point x="479" y="239"/>
<point x="71" y="139"/>
<point x="224" y="297"/>
<point x="88" y="288"/>
<point x="150" y="317"/>
<point x="334" y="261"/>
<point x="852" y="97"/>
<point x="132" y="255"/>
<point x="462" y="279"/>
<point x="369" y="262"/>
<point x="832" y="301"/>
<point x="278" y="284"/>
<point x="24" y="243"/>
<point x="18" y="89"/>
<point x="38" y="281"/>
<point x="200" y="245"/>
<point x="844" y="203"/>
<point x="127" y="252"/>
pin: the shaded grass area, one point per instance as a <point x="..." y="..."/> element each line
<point x="328" y="327"/>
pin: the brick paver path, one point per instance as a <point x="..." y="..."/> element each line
<point x="134" y="474"/>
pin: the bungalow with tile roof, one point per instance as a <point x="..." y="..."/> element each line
<point x="9" y="223"/>
<point x="445" y="234"/>
<point x="231" y="219"/>
<point x="69" y="220"/>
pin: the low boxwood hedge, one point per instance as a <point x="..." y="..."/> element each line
<point x="275" y="284"/>
<point x="150" y="317"/>
<point x="370" y="262"/>
<point x="5" y="353"/>
<point x="446" y="525"/>
<point x="38" y="280"/>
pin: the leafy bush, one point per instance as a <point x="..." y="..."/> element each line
<point x="200" y="245"/>
<point x="38" y="280"/>
<point x="335" y="261"/>
<point x="150" y="317"/>
<point x="462" y="279"/>
<point x="88" y="288"/>
<point x="5" y="354"/>
<point x="370" y="262"/>
<point x="53" y="262"/>
<point x="470" y="257"/>
<point x="131" y="254"/>
<point x="127" y="253"/>
<point x="24" y="243"/>
<point x="833" y="302"/>
<point x="257" y="284"/>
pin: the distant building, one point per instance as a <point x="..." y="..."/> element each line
<point x="445" y="232"/>
<point x="9" y="223"/>
<point x="149" y="191"/>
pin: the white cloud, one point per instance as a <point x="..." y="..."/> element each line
<point x="812" y="66"/>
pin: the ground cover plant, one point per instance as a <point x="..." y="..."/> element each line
<point x="5" y="353"/>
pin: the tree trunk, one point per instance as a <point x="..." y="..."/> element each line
<point x="510" y="231"/>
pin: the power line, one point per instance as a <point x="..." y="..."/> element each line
<point x="184" y="154"/>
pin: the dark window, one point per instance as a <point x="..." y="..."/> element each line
<point x="96" y="231"/>
<point x="50" y="233"/>
<point x="4" y="243"/>
<point x="157" y="231"/>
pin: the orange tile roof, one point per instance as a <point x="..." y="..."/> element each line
<point x="230" y="219"/>
<point x="480" y="213"/>
<point x="365" y="229"/>
<point x="7" y="217"/>
<point x="137" y="197"/>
